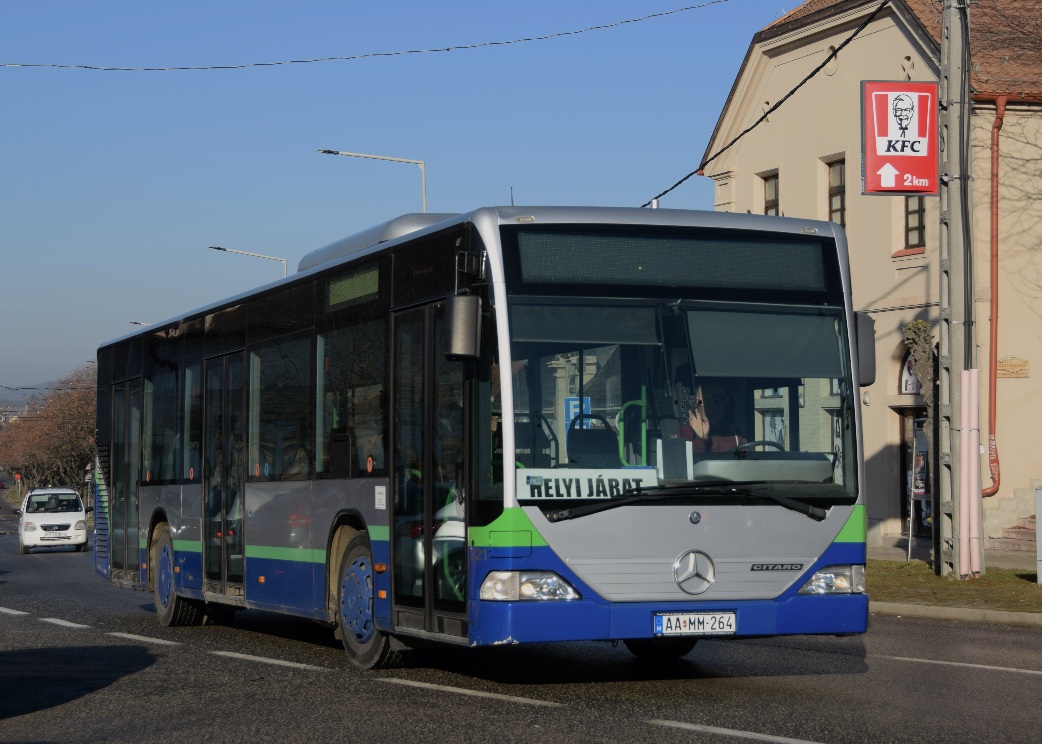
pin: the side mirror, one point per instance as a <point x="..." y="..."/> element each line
<point x="865" y="335"/>
<point x="463" y="316"/>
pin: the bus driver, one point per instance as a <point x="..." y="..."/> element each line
<point x="710" y="427"/>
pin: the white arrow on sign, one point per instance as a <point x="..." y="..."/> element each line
<point x="887" y="175"/>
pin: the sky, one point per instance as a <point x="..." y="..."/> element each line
<point x="113" y="184"/>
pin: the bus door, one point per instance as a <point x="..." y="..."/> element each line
<point x="223" y="474"/>
<point x="430" y="418"/>
<point x="125" y="456"/>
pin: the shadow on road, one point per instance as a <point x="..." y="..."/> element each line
<point x="593" y="662"/>
<point x="259" y="622"/>
<point x="40" y="678"/>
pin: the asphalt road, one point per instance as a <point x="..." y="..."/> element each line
<point x="81" y="661"/>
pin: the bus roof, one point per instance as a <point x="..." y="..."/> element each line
<point x="396" y="228"/>
<point x="428" y="222"/>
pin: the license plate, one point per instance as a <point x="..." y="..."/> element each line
<point x="694" y="623"/>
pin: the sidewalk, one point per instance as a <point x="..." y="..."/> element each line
<point x="896" y="549"/>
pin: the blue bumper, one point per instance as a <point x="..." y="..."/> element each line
<point x="592" y="618"/>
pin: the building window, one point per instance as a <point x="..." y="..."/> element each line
<point x="909" y="382"/>
<point x="838" y="192"/>
<point x="915" y="227"/>
<point x="770" y="195"/>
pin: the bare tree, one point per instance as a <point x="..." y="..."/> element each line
<point x="53" y="442"/>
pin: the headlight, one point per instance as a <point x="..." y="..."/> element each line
<point x="81" y="525"/>
<point x="836" y="580"/>
<point x="29" y="527"/>
<point x="511" y="586"/>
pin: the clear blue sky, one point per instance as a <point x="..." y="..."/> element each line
<point x="113" y="184"/>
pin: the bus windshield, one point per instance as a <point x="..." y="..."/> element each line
<point x="610" y="397"/>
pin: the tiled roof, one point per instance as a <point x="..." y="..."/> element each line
<point x="1005" y="39"/>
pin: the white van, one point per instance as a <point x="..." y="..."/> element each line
<point x="51" y="517"/>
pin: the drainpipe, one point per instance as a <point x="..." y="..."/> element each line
<point x="993" y="352"/>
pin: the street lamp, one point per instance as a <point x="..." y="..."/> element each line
<point x="423" y="167"/>
<point x="285" y="269"/>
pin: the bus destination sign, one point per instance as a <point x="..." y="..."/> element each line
<point x="583" y="483"/>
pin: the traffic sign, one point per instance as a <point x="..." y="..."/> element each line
<point x="899" y="138"/>
<point x="572" y="409"/>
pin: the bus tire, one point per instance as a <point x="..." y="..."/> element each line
<point x="366" y="645"/>
<point x="660" y="649"/>
<point x="170" y="609"/>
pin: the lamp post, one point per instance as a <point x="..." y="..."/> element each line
<point x="423" y="166"/>
<point x="285" y="268"/>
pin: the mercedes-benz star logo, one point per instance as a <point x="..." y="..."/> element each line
<point x="694" y="572"/>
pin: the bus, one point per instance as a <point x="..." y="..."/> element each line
<point x="509" y="426"/>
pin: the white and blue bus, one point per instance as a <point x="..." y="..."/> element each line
<point x="508" y="426"/>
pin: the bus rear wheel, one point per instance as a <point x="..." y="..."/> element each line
<point x="366" y="645"/>
<point x="660" y="649"/>
<point x="170" y="609"/>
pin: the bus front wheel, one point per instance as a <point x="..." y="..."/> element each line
<point x="366" y="645"/>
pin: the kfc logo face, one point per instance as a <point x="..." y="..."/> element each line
<point x="903" y="122"/>
<point x="904" y="108"/>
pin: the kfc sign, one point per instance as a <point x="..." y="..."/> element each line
<point x="898" y="138"/>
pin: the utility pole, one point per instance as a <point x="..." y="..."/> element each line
<point x="957" y="344"/>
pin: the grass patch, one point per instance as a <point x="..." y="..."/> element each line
<point x="914" y="582"/>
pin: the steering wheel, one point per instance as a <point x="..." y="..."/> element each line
<point x="758" y="443"/>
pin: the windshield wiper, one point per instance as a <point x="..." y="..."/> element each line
<point x="559" y="515"/>
<point x="719" y="488"/>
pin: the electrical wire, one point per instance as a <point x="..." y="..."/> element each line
<point x="835" y="52"/>
<point x="371" y="55"/>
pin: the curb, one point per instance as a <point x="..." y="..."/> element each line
<point x="964" y="614"/>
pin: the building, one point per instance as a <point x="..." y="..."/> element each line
<point x="804" y="160"/>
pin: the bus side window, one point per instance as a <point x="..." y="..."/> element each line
<point x="351" y="395"/>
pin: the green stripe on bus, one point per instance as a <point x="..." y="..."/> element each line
<point x="856" y="528"/>
<point x="298" y="555"/>
<point x="376" y="533"/>
<point x="512" y="527"/>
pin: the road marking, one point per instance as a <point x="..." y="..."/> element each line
<point x="8" y="611"/>
<point x="730" y="732"/>
<point x="266" y="660"/>
<point x="145" y="639"/>
<point x="63" y="623"/>
<point x="472" y="693"/>
<point x="961" y="664"/>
